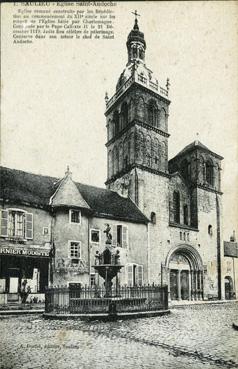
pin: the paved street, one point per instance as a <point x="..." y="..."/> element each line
<point x="191" y="337"/>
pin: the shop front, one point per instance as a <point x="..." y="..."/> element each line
<point x="23" y="266"/>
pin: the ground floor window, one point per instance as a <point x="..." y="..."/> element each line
<point x="134" y="274"/>
<point x="92" y="280"/>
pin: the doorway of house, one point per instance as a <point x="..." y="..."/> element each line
<point x="229" y="292"/>
<point x="13" y="284"/>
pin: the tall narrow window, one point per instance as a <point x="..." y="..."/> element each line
<point x="16" y="224"/>
<point x="135" y="274"/>
<point x="139" y="279"/>
<point x="119" y="235"/>
<point x="185" y="214"/>
<point x="116" y="122"/>
<point x="162" y="119"/>
<point x="134" y="51"/>
<point x="209" y="173"/>
<point x="210" y="229"/>
<point x="152" y="114"/>
<point x="176" y="206"/>
<point x="185" y="169"/>
<point x="153" y="217"/>
<point x="124" y="115"/>
<point x="92" y="280"/>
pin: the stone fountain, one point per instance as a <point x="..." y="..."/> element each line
<point x="107" y="263"/>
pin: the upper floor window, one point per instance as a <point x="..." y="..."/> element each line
<point x="209" y="173"/>
<point x="75" y="216"/>
<point x="16" y="223"/>
<point x="153" y="217"/>
<point x="210" y="229"/>
<point x="74" y="252"/>
<point x="153" y="113"/>
<point x="119" y="235"/>
<point x="95" y="235"/>
<point x="176" y="206"/>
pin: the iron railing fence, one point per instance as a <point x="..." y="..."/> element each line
<point x="76" y="299"/>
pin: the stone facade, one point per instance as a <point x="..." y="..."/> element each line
<point x="25" y="248"/>
<point x="52" y="228"/>
<point x="181" y="197"/>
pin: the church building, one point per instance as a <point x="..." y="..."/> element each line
<point x="165" y="216"/>
<point x="181" y="197"/>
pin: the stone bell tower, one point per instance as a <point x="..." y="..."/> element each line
<point x="137" y="131"/>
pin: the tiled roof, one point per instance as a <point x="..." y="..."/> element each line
<point x="23" y="187"/>
<point x="108" y="202"/>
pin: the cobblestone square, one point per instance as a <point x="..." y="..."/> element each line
<point x="190" y="337"/>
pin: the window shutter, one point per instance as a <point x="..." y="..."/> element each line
<point x="129" y="274"/>
<point x="4" y="221"/>
<point x="139" y="275"/>
<point x="124" y="236"/>
<point x="114" y="235"/>
<point x="29" y="225"/>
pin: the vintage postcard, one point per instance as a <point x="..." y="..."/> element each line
<point x="119" y="185"/>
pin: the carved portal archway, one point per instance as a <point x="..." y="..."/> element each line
<point x="185" y="267"/>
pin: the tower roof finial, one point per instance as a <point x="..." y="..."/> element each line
<point x="197" y="138"/>
<point x="136" y="27"/>
<point x="68" y="173"/>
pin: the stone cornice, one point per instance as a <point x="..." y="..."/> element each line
<point x="183" y="226"/>
<point x="138" y="166"/>
<point x="203" y="187"/>
<point x="133" y="123"/>
<point x="151" y="128"/>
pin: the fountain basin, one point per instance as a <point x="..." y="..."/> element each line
<point x="108" y="270"/>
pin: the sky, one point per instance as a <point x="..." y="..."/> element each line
<point x="52" y="109"/>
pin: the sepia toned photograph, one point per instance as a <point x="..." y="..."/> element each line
<point x="119" y="185"/>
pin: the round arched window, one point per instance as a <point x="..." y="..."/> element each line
<point x="153" y="217"/>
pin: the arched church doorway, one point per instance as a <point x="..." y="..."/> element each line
<point x="185" y="273"/>
<point x="229" y="291"/>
